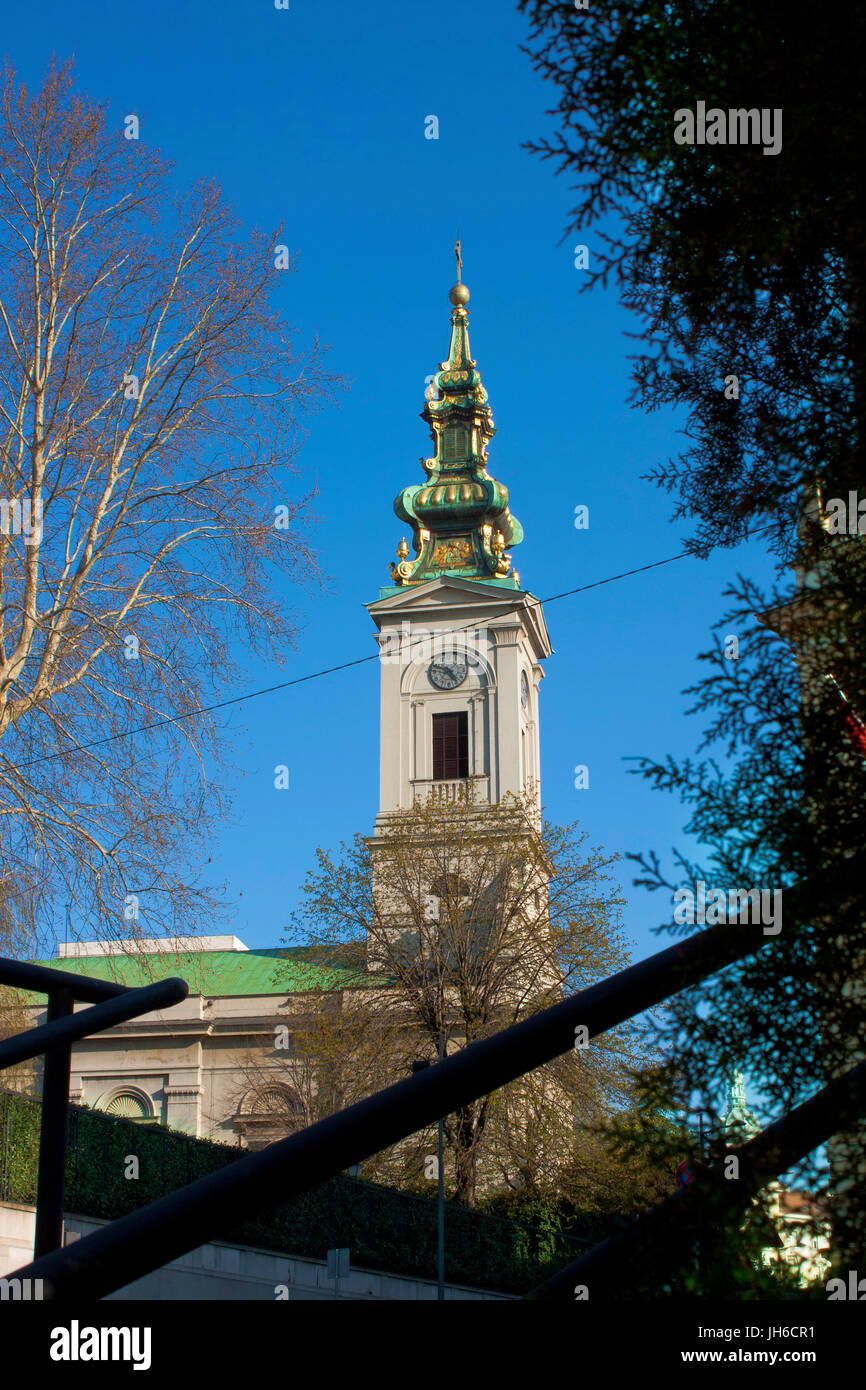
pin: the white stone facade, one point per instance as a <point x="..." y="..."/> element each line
<point x="210" y="1065"/>
<point x="500" y="634"/>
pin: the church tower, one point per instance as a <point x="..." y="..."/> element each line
<point x="461" y="643"/>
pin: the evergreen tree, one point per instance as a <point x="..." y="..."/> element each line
<point x="746" y="271"/>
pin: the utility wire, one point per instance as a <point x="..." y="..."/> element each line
<point x="345" y="665"/>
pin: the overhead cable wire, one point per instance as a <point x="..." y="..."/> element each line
<point x="526" y="601"/>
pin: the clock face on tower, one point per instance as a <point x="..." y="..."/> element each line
<point x="447" y="675"/>
<point x="524" y="691"/>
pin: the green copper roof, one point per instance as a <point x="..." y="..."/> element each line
<point x="276" y="970"/>
<point x="388" y="590"/>
<point x="460" y="519"/>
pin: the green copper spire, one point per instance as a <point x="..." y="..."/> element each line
<point x="459" y="516"/>
<point x="740" y="1122"/>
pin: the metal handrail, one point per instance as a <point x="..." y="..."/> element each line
<point x="674" y="1224"/>
<point x="144" y="1240"/>
<point x="151" y="1237"/>
<point x="110" y="1004"/>
<point x="63" y="1030"/>
<point x="43" y="979"/>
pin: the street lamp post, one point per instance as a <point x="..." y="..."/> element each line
<point x="440" y="1181"/>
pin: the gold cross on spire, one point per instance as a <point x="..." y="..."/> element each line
<point x="459" y="259"/>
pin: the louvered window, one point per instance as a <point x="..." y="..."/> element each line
<point x="454" y="444"/>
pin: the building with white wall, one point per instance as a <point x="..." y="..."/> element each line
<point x="221" y="1064"/>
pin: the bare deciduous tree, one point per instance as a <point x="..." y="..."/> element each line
<point x="150" y="406"/>
<point x="470" y="919"/>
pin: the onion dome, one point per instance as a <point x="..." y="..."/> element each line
<point x="459" y="515"/>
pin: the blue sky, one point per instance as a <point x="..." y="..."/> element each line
<point x="314" y="117"/>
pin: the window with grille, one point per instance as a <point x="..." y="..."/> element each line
<point x="450" y="746"/>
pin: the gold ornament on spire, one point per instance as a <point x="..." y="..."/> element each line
<point x="459" y="515"/>
<point x="459" y="294"/>
<point x="403" y="570"/>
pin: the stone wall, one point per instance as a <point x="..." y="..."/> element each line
<point x="220" y="1270"/>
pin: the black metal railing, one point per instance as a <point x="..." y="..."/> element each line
<point x="665" y="1234"/>
<point x="110" y="1004"/>
<point x="151" y="1237"/>
<point x="144" y="1240"/>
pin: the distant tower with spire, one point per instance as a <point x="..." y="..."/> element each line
<point x="740" y="1122"/>
<point x="461" y="642"/>
<point x="459" y="515"/>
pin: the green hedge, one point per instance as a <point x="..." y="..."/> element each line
<point x="19" y="1147"/>
<point x="384" y="1229"/>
